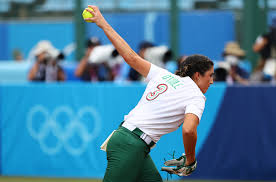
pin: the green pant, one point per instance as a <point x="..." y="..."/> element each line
<point x="129" y="160"/>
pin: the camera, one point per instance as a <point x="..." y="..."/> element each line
<point x="105" y="53"/>
<point x="158" y="55"/>
<point x="51" y="53"/>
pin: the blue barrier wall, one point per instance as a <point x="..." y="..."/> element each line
<point x="56" y="130"/>
<point x="242" y="144"/>
<point x="25" y="35"/>
<point x="1" y="163"/>
<point x="4" y="41"/>
<point x="206" y="33"/>
<point x="201" y="32"/>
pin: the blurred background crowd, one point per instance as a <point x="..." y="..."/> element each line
<point x="55" y="130"/>
<point x="48" y="41"/>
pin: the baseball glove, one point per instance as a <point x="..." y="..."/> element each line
<point x="181" y="169"/>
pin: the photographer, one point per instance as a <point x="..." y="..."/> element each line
<point x="134" y="75"/>
<point x="158" y="55"/>
<point x="265" y="46"/>
<point x="91" y="66"/>
<point x="46" y="67"/>
<point x="230" y="70"/>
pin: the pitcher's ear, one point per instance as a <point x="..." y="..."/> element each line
<point x="196" y="76"/>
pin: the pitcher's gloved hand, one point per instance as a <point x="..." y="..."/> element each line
<point x="181" y="169"/>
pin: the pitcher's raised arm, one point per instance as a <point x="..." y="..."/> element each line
<point x="132" y="59"/>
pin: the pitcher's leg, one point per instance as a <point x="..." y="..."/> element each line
<point x="150" y="172"/>
<point x="126" y="156"/>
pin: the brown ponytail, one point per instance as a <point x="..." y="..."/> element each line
<point x="194" y="63"/>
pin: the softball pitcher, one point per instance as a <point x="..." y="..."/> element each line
<point x="169" y="101"/>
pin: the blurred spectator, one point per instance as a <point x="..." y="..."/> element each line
<point x="46" y="66"/>
<point x="17" y="55"/>
<point x="158" y="55"/>
<point x="265" y="45"/>
<point x="90" y="70"/>
<point x="230" y="70"/>
<point x="169" y="64"/>
<point x="134" y="75"/>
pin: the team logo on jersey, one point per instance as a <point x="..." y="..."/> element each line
<point x="161" y="89"/>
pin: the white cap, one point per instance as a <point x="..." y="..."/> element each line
<point x="46" y="46"/>
<point x="270" y="67"/>
<point x="101" y="54"/>
<point x="155" y="55"/>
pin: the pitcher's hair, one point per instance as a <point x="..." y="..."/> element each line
<point x="194" y="63"/>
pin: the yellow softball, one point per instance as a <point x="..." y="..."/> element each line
<point x="87" y="14"/>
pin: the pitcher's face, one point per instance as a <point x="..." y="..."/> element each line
<point x="204" y="81"/>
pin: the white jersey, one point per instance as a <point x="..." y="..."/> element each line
<point x="166" y="100"/>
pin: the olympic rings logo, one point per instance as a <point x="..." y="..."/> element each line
<point x="49" y="124"/>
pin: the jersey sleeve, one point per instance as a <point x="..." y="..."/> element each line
<point x="154" y="71"/>
<point x="196" y="107"/>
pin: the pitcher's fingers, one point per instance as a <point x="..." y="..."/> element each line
<point x="95" y="8"/>
<point x="90" y="11"/>
<point x="89" y="19"/>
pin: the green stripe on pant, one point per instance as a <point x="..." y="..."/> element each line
<point x="129" y="160"/>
